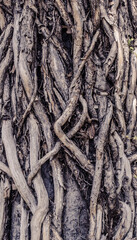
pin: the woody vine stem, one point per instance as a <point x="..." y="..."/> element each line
<point x="68" y="145"/>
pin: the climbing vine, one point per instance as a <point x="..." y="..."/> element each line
<point x="68" y="71"/>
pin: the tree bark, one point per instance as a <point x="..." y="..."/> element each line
<point x="68" y="133"/>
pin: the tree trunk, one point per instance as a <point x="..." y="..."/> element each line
<point x="68" y="71"/>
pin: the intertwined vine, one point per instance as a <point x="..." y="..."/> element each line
<point x="68" y="71"/>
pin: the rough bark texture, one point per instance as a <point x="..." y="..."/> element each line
<point x="68" y="129"/>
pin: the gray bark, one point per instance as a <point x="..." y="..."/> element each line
<point x="68" y="133"/>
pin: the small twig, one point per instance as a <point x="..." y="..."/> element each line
<point x="42" y="161"/>
<point x="29" y="105"/>
<point x="84" y="59"/>
<point x="64" y="14"/>
<point x="53" y="28"/>
<point x="6" y="9"/>
<point x="56" y="233"/>
<point x="54" y="40"/>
